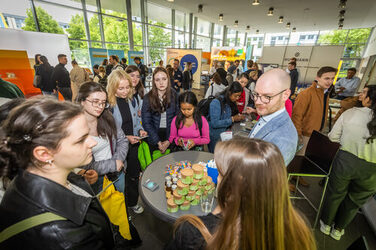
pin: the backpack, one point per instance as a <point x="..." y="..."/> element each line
<point x="103" y="80"/>
<point x="204" y="105"/>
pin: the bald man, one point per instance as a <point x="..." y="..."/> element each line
<point x="275" y="126"/>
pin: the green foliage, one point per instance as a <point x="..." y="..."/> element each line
<point x="46" y="22"/>
<point x="158" y="37"/>
<point x="76" y="30"/>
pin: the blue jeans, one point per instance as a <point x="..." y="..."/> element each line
<point x="119" y="185"/>
<point x="50" y="93"/>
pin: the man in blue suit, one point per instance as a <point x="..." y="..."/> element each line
<point x="275" y="126"/>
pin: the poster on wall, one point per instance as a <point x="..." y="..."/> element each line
<point x="228" y="54"/>
<point x="184" y="56"/>
<point x="119" y="53"/>
<point x="97" y="56"/>
<point x="133" y="54"/>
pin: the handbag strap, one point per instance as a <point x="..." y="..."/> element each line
<point x="28" y="223"/>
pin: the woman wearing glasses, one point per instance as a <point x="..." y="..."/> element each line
<point x="112" y="148"/>
<point x="221" y="114"/>
<point x="120" y="97"/>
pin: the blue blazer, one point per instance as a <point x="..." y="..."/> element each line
<point x="151" y="119"/>
<point x="281" y="132"/>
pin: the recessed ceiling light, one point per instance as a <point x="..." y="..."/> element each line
<point x="270" y="11"/>
<point x="340" y="26"/>
<point x="200" y="8"/>
<point x="248" y="27"/>
<point x="342" y="4"/>
<point x="256" y="2"/>
<point x="288" y="25"/>
<point x="220" y="17"/>
<point x="280" y="20"/>
<point x="171" y="1"/>
<point x="236" y="24"/>
<point x="257" y="31"/>
<point x="294" y="29"/>
<point x="342" y="14"/>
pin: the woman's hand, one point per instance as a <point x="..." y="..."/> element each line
<point x="133" y="139"/>
<point x="91" y="176"/>
<point x="164" y="146"/>
<point x="250" y="110"/>
<point x="190" y="144"/>
<point x="119" y="165"/>
<point x="181" y="142"/>
<point x="238" y="118"/>
<point x="143" y="133"/>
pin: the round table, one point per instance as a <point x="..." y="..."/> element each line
<point x="156" y="200"/>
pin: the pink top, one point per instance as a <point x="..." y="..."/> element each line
<point x="191" y="132"/>
<point x="288" y="107"/>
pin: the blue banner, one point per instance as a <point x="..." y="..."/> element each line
<point x="133" y="54"/>
<point x="119" y="53"/>
<point x="97" y="56"/>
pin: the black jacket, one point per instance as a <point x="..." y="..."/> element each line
<point x="87" y="226"/>
<point x="187" y="79"/>
<point x="294" y="80"/>
<point x="60" y="76"/>
<point x="45" y="72"/>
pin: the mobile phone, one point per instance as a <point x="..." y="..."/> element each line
<point x="143" y="137"/>
<point x="151" y="185"/>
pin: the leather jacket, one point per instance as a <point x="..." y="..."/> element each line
<point x="87" y="225"/>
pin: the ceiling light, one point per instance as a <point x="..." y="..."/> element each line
<point x="340" y="26"/>
<point x="236" y="24"/>
<point x="255" y="2"/>
<point x="280" y="20"/>
<point x="288" y="25"/>
<point x="200" y="7"/>
<point x="341" y="21"/>
<point x="270" y="11"/>
<point x="248" y="27"/>
<point x="171" y="1"/>
<point x="257" y="31"/>
<point x="342" y="4"/>
<point x="294" y="29"/>
<point x="220" y="17"/>
<point x="342" y="14"/>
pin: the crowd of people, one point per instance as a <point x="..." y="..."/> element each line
<point x="57" y="154"/>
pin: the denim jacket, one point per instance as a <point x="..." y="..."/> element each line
<point x="220" y="120"/>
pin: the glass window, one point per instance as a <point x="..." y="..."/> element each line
<point x="203" y="27"/>
<point x="157" y="54"/>
<point x="95" y="34"/>
<point x="114" y="8"/>
<point x="230" y="39"/>
<point x="203" y="43"/>
<point x="241" y="36"/>
<point x="115" y="30"/>
<point x="79" y="54"/>
<point x="358" y="35"/>
<point x="257" y="42"/>
<point x="270" y="39"/>
<point x="353" y="50"/>
<point x="60" y="20"/>
<point x="137" y="33"/>
<point x="136" y="10"/>
<point x="72" y="3"/>
<point x="180" y="21"/>
<point x="218" y="31"/>
<point x="159" y="37"/>
<point x="159" y="15"/>
<point x="124" y="47"/>
<point x="180" y="41"/>
<point x="91" y="5"/>
<point x="296" y="38"/>
<point x="17" y="15"/>
<point x="217" y="43"/>
<point x="332" y="37"/>
<point x="346" y="64"/>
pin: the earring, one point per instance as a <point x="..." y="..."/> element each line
<point x="49" y="161"/>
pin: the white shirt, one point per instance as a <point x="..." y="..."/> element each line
<point x="163" y="122"/>
<point x="263" y="121"/>
<point x="351" y="131"/>
<point x="101" y="151"/>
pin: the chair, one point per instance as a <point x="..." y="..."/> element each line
<point x="359" y="244"/>
<point x="316" y="162"/>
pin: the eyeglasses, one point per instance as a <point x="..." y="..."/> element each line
<point x="264" y="98"/>
<point x="98" y="104"/>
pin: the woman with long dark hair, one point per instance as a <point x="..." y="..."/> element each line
<point x="223" y="112"/>
<point x="187" y="77"/>
<point x="158" y="109"/>
<point x="41" y="142"/>
<point x="353" y="177"/>
<point x="216" y="87"/>
<point x="111" y="151"/>
<point x="189" y="130"/>
<point x="125" y="107"/>
<point x="45" y="71"/>
<point x="254" y="210"/>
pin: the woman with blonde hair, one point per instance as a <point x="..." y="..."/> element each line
<point x="254" y="210"/>
<point x="120" y="97"/>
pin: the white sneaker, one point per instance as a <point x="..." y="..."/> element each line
<point x="138" y="209"/>
<point x="335" y="234"/>
<point x="325" y="229"/>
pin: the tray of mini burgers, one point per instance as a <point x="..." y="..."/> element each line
<point x="185" y="184"/>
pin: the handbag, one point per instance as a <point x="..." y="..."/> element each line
<point x="157" y="154"/>
<point x="37" y="80"/>
<point x="144" y="156"/>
